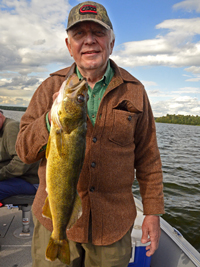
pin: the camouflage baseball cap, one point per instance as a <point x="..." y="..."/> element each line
<point x="89" y="11"/>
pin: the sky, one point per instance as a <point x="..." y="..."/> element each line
<point x="157" y="41"/>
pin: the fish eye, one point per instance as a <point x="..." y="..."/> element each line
<point x="80" y="98"/>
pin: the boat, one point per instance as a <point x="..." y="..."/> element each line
<point x="15" y="241"/>
<point x="173" y="251"/>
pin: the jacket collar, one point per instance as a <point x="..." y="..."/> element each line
<point x="65" y="72"/>
<point x="121" y="74"/>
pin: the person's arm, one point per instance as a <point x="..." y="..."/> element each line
<point x="33" y="134"/>
<point x="13" y="167"/>
<point x="148" y="162"/>
<point x="149" y="175"/>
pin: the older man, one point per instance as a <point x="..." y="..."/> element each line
<point x="16" y="177"/>
<point x="121" y="137"/>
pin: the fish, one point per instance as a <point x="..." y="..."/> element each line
<point x="65" y="155"/>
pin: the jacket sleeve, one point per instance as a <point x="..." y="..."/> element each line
<point x="148" y="162"/>
<point x="33" y="134"/>
<point x="14" y="167"/>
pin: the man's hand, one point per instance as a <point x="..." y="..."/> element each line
<point x="49" y="114"/>
<point x="151" y="233"/>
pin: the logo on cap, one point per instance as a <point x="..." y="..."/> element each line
<point x="88" y="9"/>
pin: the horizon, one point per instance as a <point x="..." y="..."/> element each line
<point x="14" y="108"/>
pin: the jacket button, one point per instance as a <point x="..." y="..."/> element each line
<point x="129" y="117"/>
<point x="92" y="189"/>
<point x="93" y="164"/>
<point x="94" y="140"/>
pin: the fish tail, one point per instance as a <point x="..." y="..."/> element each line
<point x="58" y="250"/>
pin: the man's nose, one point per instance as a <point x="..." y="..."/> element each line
<point x="90" y="38"/>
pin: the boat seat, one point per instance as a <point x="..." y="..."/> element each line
<point x="24" y="203"/>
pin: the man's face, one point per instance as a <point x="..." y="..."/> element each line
<point x="90" y="45"/>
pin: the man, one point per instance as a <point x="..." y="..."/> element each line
<point x="121" y="136"/>
<point x="16" y="177"/>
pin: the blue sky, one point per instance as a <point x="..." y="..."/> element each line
<point x="156" y="41"/>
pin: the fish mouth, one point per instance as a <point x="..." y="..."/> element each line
<point x="75" y="87"/>
<point x="78" y="84"/>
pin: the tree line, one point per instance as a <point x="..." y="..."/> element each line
<point x="13" y="108"/>
<point x="179" y="119"/>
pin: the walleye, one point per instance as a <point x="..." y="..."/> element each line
<point x="65" y="155"/>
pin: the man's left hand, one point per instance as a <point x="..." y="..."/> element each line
<point x="151" y="233"/>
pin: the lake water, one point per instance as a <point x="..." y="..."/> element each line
<point x="180" y="153"/>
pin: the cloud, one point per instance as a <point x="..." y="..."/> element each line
<point x="149" y="83"/>
<point x="175" y="49"/>
<point x="22" y="82"/>
<point x="184" y="105"/>
<point x="188" y="90"/>
<point x="188" y="5"/>
<point x="32" y="34"/>
<point x="14" y="101"/>
<point x="197" y="79"/>
<point x="154" y="92"/>
<point x="32" y="44"/>
<point x="32" y="40"/>
<point x="193" y="69"/>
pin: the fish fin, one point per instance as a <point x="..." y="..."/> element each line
<point x="46" y="212"/>
<point x="58" y="250"/>
<point x="48" y="146"/>
<point x="76" y="213"/>
<point x="64" y="252"/>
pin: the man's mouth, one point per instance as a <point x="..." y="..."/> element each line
<point x="90" y="52"/>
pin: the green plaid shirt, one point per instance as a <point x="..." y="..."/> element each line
<point x="96" y="94"/>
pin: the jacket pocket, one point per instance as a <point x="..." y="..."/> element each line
<point x="123" y="127"/>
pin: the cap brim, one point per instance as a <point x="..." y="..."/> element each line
<point x="90" y="19"/>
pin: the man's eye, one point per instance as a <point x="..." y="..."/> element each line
<point x="99" y="33"/>
<point x="78" y="34"/>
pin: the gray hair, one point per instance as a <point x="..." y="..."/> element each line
<point x="112" y="35"/>
<point x="1" y="111"/>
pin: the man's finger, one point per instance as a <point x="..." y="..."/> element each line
<point x="151" y="233"/>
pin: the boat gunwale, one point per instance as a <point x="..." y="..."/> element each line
<point x="177" y="238"/>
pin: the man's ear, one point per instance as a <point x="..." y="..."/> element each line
<point x="68" y="46"/>
<point x="112" y="46"/>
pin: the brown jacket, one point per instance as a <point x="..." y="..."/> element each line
<point x="123" y="139"/>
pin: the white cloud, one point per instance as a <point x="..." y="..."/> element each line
<point x="174" y="49"/>
<point x="193" y="69"/>
<point x="197" y="79"/>
<point x="188" y="5"/>
<point x="184" y="105"/>
<point x="189" y="90"/>
<point x="32" y="40"/>
<point x="154" y="93"/>
<point x="32" y="34"/>
<point x="149" y="83"/>
<point x="184" y="28"/>
<point x="14" y="101"/>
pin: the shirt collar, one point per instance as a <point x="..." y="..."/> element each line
<point x="105" y="78"/>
